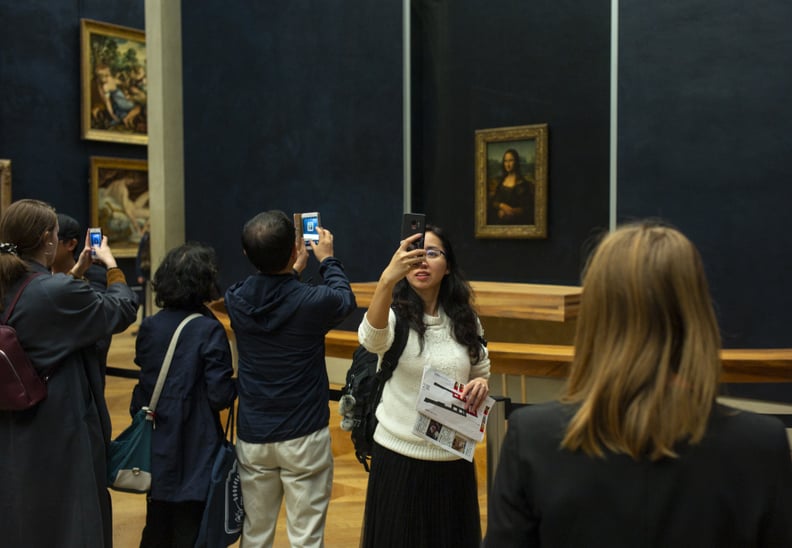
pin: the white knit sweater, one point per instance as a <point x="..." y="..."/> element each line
<point x="396" y="413"/>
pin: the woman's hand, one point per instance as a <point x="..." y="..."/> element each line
<point x="84" y="260"/>
<point x="403" y="260"/>
<point x="476" y="391"/>
<point x="103" y="252"/>
<point x="400" y="264"/>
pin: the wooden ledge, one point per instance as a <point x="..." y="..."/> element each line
<point x="554" y="303"/>
<point x="547" y="360"/>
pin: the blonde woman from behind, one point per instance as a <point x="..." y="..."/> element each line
<point x="638" y="452"/>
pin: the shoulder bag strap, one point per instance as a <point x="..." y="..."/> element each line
<point x="152" y="406"/>
<point x="22" y="287"/>
<point x="229" y="427"/>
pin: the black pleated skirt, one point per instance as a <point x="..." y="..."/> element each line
<point x="415" y="503"/>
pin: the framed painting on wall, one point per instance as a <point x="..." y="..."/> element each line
<point x="511" y="182"/>
<point x="113" y="80"/>
<point x="5" y="185"/>
<point x="120" y="202"/>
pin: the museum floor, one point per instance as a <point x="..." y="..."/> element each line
<point x="349" y="484"/>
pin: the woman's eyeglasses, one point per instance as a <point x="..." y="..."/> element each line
<point x="432" y="253"/>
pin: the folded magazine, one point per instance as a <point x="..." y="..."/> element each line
<point x="443" y="419"/>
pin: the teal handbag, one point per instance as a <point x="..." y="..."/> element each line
<point x="129" y="455"/>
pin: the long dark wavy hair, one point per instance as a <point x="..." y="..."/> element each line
<point x="455" y="297"/>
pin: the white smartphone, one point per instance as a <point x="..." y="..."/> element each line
<point x="309" y="223"/>
<point x="95" y="237"/>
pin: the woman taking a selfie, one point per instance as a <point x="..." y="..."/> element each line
<point x="52" y="456"/>
<point x="419" y="494"/>
<point x="638" y="452"/>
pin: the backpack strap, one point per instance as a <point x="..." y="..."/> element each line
<point x="22" y="287"/>
<point x="391" y="358"/>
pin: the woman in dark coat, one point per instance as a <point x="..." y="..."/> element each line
<point x="199" y="384"/>
<point x="52" y="457"/>
<point x="638" y="452"/>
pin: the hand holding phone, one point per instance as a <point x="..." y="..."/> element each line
<point x="414" y="223"/>
<point x="95" y="239"/>
<point x="308" y="224"/>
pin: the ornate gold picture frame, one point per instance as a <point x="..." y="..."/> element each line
<point x="511" y="182"/>
<point x="113" y="79"/>
<point x="120" y="202"/>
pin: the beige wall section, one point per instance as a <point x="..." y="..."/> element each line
<point x="166" y="129"/>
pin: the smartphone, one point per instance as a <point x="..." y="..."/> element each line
<point x="308" y="224"/>
<point x="95" y="237"/>
<point x="413" y="223"/>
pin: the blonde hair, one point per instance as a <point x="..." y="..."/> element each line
<point x="646" y="366"/>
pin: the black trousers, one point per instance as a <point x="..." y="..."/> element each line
<point x="171" y="524"/>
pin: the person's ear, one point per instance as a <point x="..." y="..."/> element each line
<point x="71" y="245"/>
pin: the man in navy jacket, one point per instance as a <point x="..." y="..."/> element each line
<point x="280" y="324"/>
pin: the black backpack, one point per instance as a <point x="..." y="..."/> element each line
<point x="363" y="391"/>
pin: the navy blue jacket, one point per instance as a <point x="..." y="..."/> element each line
<point x="280" y="324"/>
<point x="199" y="384"/>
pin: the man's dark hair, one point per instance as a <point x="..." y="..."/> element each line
<point x="268" y="241"/>
<point x="187" y="277"/>
<point x="70" y="229"/>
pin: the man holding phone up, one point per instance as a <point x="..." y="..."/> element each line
<point x="283" y="439"/>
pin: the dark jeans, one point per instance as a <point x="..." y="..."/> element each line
<point x="171" y="524"/>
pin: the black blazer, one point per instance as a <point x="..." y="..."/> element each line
<point x="734" y="488"/>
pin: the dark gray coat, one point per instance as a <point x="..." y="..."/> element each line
<point x="52" y="457"/>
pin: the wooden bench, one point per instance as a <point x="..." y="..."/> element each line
<point x="545" y="360"/>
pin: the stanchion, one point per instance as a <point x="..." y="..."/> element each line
<point x="496" y="431"/>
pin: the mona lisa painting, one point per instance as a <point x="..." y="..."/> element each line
<point x="511" y="182"/>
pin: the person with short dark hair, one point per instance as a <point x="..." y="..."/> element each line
<point x="280" y="323"/>
<point x="638" y="452"/>
<point x="70" y="234"/>
<point x="198" y="386"/>
<point x="53" y="468"/>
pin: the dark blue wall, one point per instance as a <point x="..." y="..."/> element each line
<point x="297" y="106"/>
<point x="514" y="63"/>
<point x="704" y="141"/>
<point x="40" y="100"/>
<point x="294" y="106"/>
